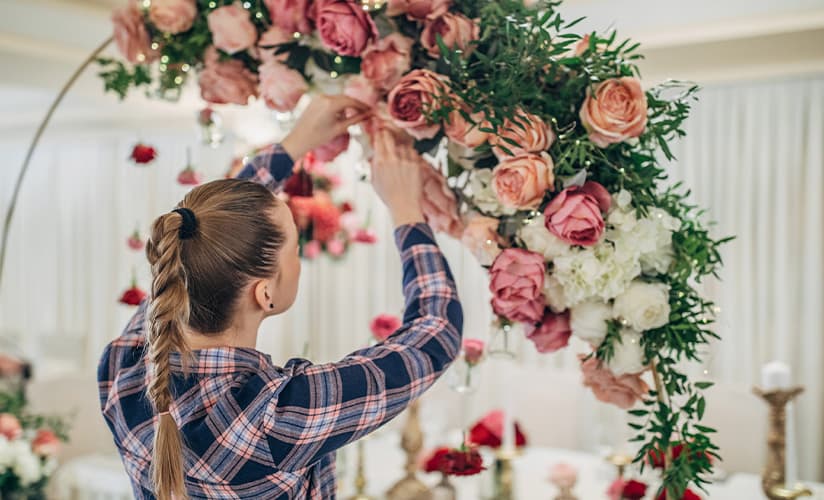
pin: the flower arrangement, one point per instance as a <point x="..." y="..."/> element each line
<point x="28" y="448"/>
<point x="547" y="151"/>
<point x="463" y="461"/>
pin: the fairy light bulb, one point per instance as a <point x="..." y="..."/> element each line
<point x="246" y="5"/>
<point x="338" y="59"/>
<point x="333" y="74"/>
<point x="185" y="68"/>
<point x="164" y="59"/>
<point x="147" y="4"/>
<point x="212" y="5"/>
<point x="141" y="57"/>
<point x="155" y="46"/>
<point x="178" y="80"/>
<point x="259" y="15"/>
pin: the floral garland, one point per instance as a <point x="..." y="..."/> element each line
<point x="548" y="166"/>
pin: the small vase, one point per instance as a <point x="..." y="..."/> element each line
<point x="444" y="490"/>
<point x="462" y="379"/>
<point x="502" y="342"/>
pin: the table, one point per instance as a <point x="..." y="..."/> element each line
<point x="101" y="477"/>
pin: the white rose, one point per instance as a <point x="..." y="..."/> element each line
<point x="554" y="294"/>
<point x="627" y="355"/>
<point x="6" y="454"/>
<point x="537" y="238"/>
<point x="26" y="464"/>
<point x="622" y="199"/>
<point x="480" y="183"/>
<point x="644" y="306"/>
<point x="588" y="321"/>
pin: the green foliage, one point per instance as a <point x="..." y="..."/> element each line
<point x="118" y="78"/>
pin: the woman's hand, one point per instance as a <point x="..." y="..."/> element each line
<point x="326" y="117"/>
<point x="396" y="177"/>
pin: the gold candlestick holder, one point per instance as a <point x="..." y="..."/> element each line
<point x="503" y="476"/>
<point x="620" y="461"/>
<point x="773" y="479"/>
<point x="360" y="476"/>
<point x="410" y="487"/>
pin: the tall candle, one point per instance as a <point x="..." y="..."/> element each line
<point x="508" y="439"/>
<point x="777" y="375"/>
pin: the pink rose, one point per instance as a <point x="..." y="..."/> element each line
<point x="130" y="34"/>
<point x="333" y="148"/>
<point x="616" y="489"/>
<point x="336" y="247"/>
<point x="522" y="181"/>
<point x="516" y="282"/>
<point x="189" y="177"/>
<point x="482" y="239"/>
<point x="290" y="15"/>
<point x="358" y="87"/>
<point x="344" y="27"/>
<point x="271" y="38"/>
<point x="173" y="16"/>
<point x="530" y="133"/>
<point x="418" y="9"/>
<point x="467" y="134"/>
<point x="232" y="30"/>
<point x="364" y="236"/>
<point x="45" y="443"/>
<point x="384" y="325"/>
<point x="621" y="391"/>
<point x="617" y="111"/>
<point x="473" y="351"/>
<point x="10" y="427"/>
<point x="552" y="334"/>
<point x="312" y="249"/>
<point x="575" y="214"/>
<point x="438" y="203"/>
<point x="224" y="82"/>
<point x="281" y="87"/>
<point x="418" y="90"/>
<point x="456" y="30"/>
<point x="385" y="62"/>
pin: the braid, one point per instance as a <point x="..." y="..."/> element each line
<point x="168" y="312"/>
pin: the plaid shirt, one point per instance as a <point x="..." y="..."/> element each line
<point x="252" y="429"/>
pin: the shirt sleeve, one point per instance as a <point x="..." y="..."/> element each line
<point x="271" y="167"/>
<point x="321" y="408"/>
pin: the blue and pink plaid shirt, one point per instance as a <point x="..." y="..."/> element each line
<point x="252" y="429"/>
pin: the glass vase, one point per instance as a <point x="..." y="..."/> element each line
<point x="502" y="342"/>
<point x="444" y="490"/>
<point x="462" y="378"/>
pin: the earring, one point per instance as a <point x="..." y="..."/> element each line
<point x="271" y="306"/>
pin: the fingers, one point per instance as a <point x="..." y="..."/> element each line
<point x="352" y="120"/>
<point x="340" y="102"/>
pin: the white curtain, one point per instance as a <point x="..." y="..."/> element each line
<point x="753" y="156"/>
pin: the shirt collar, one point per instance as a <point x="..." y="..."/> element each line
<point x="222" y="360"/>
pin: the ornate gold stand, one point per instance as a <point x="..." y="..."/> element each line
<point x="360" y="477"/>
<point x="504" y="487"/>
<point x="772" y="479"/>
<point x="410" y="487"/>
<point x="620" y="461"/>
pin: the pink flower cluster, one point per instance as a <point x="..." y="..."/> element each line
<point x="44" y="444"/>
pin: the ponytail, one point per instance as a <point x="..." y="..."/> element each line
<point x="168" y="312"/>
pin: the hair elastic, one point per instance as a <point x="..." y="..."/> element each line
<point x="189" y="225"/>
<point x="163" y="413"/>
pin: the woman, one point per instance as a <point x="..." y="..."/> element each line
<point x="195" y="410"/>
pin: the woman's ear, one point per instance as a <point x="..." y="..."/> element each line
<point x="264" y="295"/>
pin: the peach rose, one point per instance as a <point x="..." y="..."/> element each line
<point x="438" y="203"/>
<point x="456" y="30"/>
<point x="173" y="16"/>
<point x="266" y="44"/>
<point x="418" y="9"/>
<point x="467" y="134"/>
<point x="344" y="27"/>
<point x="385" y="62"/>
<point x="290" y="15"/>
<point x="621" y="391"/>
<point x="473" y="351"/>
<point x="10" y="427"/>
<point x="521" y="182"/>
<point x="358" y="87"/>
<point x="575" y="214"/>
<point x="224" y="82"/>
<point x="530" y="133"/>
<point x="482" y="239"/>
<point x="281" y="87"/>
<point x="232" y="29"/>
<point x="616" y="112"/>
<point x="416" y="91"/>
<point x="516" y="282"/>
<point x="45" y="443"/>
<point x="551" y="334"/>
<point x="130" y="34"/>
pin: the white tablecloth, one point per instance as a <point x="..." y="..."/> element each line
<point x="100" y="477"/>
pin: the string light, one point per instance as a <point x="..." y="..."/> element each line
<point x="212" y="5"/>
<point x="141" y="58"/>
<point x="296" y="35"/>
<point x="164" y="59"/>
<point x="185" y="67"/>
<point x="338" y="59"/>
<point x="259" y="15"/>
<point x="246" y="5"/>
<point x="155" y="46"/>
<point x="162" y="67"/>
<point x="333" y="74"/>
<point x="178" y="80"/>
<point x="147" y="3"/>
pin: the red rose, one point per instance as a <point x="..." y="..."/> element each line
<point x="325" y="221"/>
<point x="133" y="296"/>
<point x="489" y="430"/>
<point x="634" y="490"/>
<point x="346" y="207"/>
<point x="300" y="184"/>
<point x="344" y="27"/>
<point x="656" y="457"/>
<point x="436" y="461"/>
<point x="463" y="463"/>
<point x="384" y="325"/>
<point x="143" y="153"/>
<point x="575" y="214"/>
<point x="45" y="443"/>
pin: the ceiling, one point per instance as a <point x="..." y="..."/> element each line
<point x="43" y="41"/>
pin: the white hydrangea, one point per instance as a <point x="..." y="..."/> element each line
<point x="554" y="295"/>
<point x="537" y="238"/>
<point x="480" y="184"/>
<point x="628" y="355"/>
<point x="26" y="465"/>
<point x="644" y="306"/>
<point x="599" y="271"/>
<point x="647" y="240"/>
<point x="6" y="454"/>
<point x="588" y="321"/>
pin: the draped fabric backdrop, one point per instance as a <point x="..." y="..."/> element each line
<point x="753" y="156"/>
